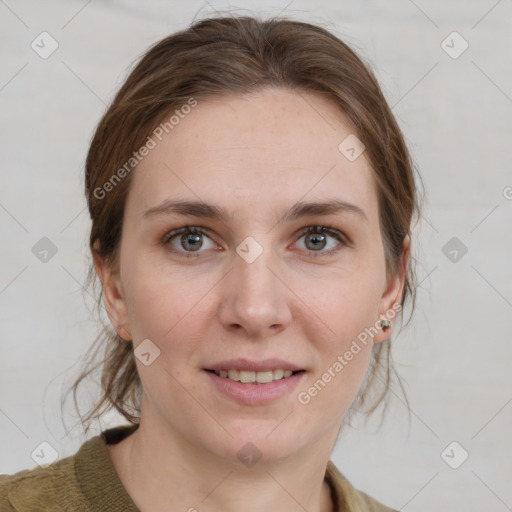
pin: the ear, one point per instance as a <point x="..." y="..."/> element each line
<point x="113" y="295"/>
<point x="392" y="295"/>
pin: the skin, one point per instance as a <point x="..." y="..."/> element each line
<point x="254" y="155"/>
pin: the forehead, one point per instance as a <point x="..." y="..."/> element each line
<point x="274" y="146"/>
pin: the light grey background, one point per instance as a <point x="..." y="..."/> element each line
<point x="456" y="113"/>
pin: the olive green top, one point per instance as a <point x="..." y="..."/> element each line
<point x="87" y="482"/>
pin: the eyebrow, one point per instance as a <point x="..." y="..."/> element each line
<point x="298" y="210"/>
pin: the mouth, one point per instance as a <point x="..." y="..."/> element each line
<point x="254" y="377"/>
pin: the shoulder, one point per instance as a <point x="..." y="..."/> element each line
<point x="86" y="480"/>
<point x="347" y="497"/>
<point x="42" y="488"/>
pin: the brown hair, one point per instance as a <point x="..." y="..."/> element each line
<point x="232" y="55"/>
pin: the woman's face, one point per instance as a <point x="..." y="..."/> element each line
<point x="250" y="284"/>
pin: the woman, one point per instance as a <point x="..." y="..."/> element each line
<point x="251" y="198"/>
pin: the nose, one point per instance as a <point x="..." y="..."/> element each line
<point x="255" y="298"/>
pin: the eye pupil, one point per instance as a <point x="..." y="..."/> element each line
<point x="316" y="239"/>
<point x="187" y="237"/>
<point x="192" y="240"/>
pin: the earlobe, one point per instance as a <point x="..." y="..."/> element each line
<point x="113" y="296"/>
<point x="391" y="301"/>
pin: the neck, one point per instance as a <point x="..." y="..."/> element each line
<point x="164" y="472"/>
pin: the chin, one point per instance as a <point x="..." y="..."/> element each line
<point x="258" y="442"/>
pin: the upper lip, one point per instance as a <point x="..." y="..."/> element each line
<point x="255" y="366"/>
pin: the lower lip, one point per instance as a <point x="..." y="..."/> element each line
<point x="255" y="394"/>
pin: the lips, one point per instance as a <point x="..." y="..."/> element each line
<point x="241" y="364"/>
<point x="252" y="387"/>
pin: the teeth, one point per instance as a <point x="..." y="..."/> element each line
<point x="278" y="374"/>
<point x="249" y="377"/>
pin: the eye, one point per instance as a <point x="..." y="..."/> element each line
<point x="316" y="239"/>
<point x="191" y="240"/>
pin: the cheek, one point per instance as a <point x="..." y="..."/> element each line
<point x="348" y="307"/>
<point x="170" y="313"/>
<point x="156" y="299"/>
<point x="169" y="308"/>
<point x="345" y="305"/>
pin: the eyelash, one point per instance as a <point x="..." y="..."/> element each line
<point x="195" y="230"/>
